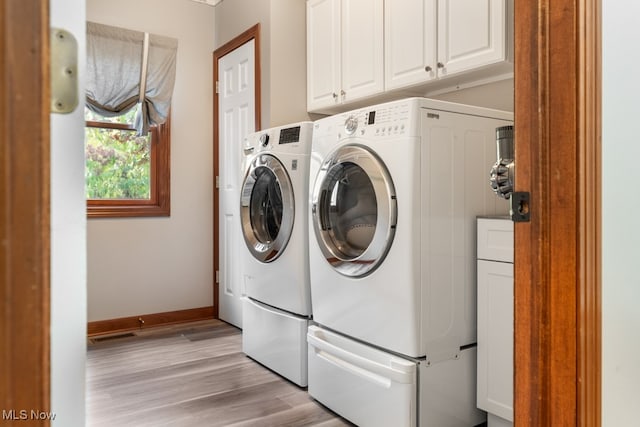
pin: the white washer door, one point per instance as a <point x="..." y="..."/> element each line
<point x="354" y="210"/>
<point x="266" y="208"/>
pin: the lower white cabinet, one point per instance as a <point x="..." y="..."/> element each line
<point x="495" y="320"/>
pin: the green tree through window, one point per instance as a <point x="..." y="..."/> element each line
<point x="117" y="161"/>
<point x="125" y="175"/>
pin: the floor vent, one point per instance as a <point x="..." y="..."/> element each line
<point x="113" y="337"/>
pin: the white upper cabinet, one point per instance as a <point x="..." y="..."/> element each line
<point x="345" y="52"/>
<point x="410" y="42"/>
<point x="428" y="40"/>
<point x="362" y="48"/>
<point x="471" y="34"/>
<point x="359" y="49"/>
<point x="323" y="53"/>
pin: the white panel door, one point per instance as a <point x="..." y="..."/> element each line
<point x="362" y="55"/>
<point x="236" y="119"/>
<point x="471" y="34"/>
<point x="410" y="42"/>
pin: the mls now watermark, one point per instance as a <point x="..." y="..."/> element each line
<point x="23" y="415"/>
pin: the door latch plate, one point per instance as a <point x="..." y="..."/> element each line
<point x="519" y="208"/>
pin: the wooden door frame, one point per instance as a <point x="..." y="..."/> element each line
<point x="557" y="254"/>
<point x="25" y="212"/>
<point x="252" y="33"/>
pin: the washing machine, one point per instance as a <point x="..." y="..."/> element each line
<point x="274" y="215"/>
<point x="394" y="193"/>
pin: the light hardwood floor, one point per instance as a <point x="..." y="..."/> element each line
<point x="191" y="375"/>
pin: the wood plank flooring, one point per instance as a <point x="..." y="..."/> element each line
<point x="191" y="375"/>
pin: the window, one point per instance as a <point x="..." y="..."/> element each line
<point x="126" y="175"/>
<point x="130" y="75"/>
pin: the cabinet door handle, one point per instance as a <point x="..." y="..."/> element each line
<point x="343" y="93"/>
<point x="335" y="95"/>
<point x="440" y="65"/>
<point x="428" y="68"/>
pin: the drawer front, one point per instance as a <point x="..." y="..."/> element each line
<point x="364" y="385"/>
<point x="495" y="239"/>
<point x="276" y="339"/>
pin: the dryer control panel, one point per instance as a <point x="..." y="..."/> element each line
<point x="389" y="120"/>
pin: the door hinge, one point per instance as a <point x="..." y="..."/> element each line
<point x="217" y="181"/>
<point x="217" y="87"/>
<point x="519" y="206"/>
<point x="217" y="276"/>
<point x="64" y="71"/>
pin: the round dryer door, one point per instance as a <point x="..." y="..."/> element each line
<point x="266" y="208"/>
<point x="354" y="210"/>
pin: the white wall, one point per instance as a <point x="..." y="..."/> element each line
<point x="68" y="241"/>
<point x="288" y="62"/>
<point x="151" y="265"/>
<point x="620" y="204"/>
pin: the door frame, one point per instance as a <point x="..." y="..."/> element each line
<point x="25" y="212"/>
<point x="558" y="254"/>
<point x="252" y="33"/>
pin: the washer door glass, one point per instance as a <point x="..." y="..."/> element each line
<point x="266" y="208"/>
<point x="354" y="210"/>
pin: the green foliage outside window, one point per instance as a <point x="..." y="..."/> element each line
<point x="117" y="162"/>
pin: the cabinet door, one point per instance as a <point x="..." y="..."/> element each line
<point x="323" y="53"/>
<point x="495" y="338"/>
<point x="410" y="42"/>
<point x="471" y="34"/>
<point x="362" y="49"/>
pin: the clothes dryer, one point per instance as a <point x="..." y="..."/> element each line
<point x="274" y="218"/>
<point x="394" y="194"/>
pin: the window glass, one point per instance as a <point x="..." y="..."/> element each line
<point x="125" y="174"/>
<point x="118" y="163"/>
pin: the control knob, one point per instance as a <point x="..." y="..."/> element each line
<point x="350" y="125"/>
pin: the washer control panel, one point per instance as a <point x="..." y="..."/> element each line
<point x="289" y="135"/>
<point x="290" y="139"/>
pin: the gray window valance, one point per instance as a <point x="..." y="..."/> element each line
<point x="126" y="67"/>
